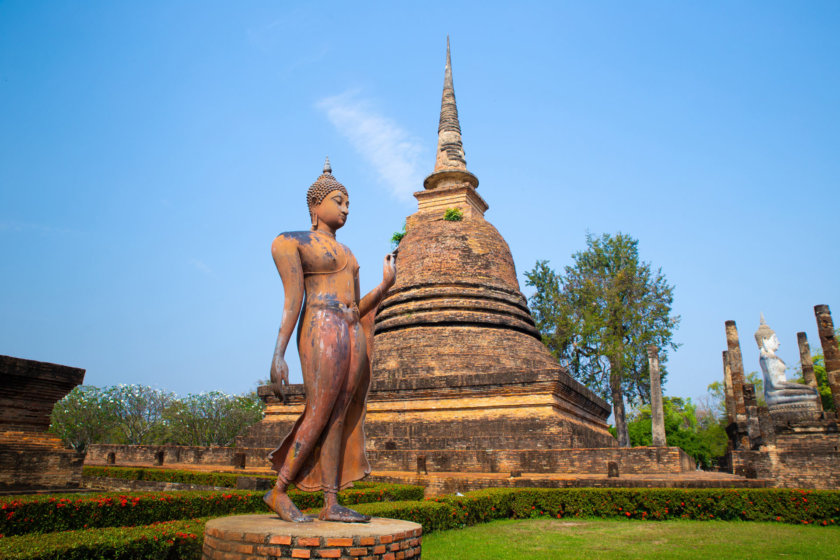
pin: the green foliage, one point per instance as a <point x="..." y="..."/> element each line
<point x="211" y="419"/>
<point x="599" y="317"/>
<point x="397" y="237"/>
<point x="173" y="540"/>
<point x="64" y="512"/>
<point x="453" y="215"/>
<point x="223" y="480"/>
<point x="622" y="539"/>
<point x="140" y="415"/>
<point x="228" y="480"/>
<point x="704" y="439"/>
<point x="181" y="538"/>
<point x="756" y="379"/>
<point x="49" y="513"/>
<point x="822" y="381"/>
<point x="139" y="411"/>
<point x="753" y="504"/>
<point x="717" y="399"/>
<point x="83" y="417"/>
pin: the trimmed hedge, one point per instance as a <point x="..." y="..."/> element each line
<point x="220" y="479"/>
<point x="173" y="540"/>
<point x="820" y="507"/>
<point x="48" y="513"/>
<point x="224" y="480"/>
<point x="182" y="539"/>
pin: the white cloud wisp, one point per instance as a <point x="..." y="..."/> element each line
<point x="394" y="154"/>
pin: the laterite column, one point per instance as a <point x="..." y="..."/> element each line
<point x="657" y="415"/>
<point x="831" y="352"/>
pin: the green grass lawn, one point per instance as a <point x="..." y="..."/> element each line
<point x="597" y="539"/>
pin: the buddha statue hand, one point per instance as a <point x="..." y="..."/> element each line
<point x="279" y="375"/>
<point x="389" y="269"/>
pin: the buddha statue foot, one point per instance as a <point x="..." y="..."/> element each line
<point x="280" y="504"/>
<point x="342" y="514"/>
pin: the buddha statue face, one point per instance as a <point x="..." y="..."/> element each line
<point x="766" y="338"/>
<point x="333" y="209"/>
<point x="770" y="344"/>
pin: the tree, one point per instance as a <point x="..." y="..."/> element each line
<point x="82" y="417"/>
<point x="599" y="317"/>
<point x="695" y="430"/>
<point x="139" y="413"/>
<point x="212" y="419"/>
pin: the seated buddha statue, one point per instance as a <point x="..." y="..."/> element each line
<point x="777" y="390"/>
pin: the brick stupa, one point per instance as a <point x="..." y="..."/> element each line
<point x="455" y="342"/>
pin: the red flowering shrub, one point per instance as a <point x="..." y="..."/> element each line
<point x="177" y="540"/>
<point x="63" y="512"/>
<point x="755" y="504"/>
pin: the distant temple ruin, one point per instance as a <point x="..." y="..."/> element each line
<point x="30" y="457"/>
<point x="793" y="442"/>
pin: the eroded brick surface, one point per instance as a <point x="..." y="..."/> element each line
<point x="225" y="538"/>
<point x="31" y="458"/>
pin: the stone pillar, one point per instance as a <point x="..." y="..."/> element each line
<point x="831" y="352"/>
<point x="807" y="364"/>
<point x="728" y="395"/>
<point x="736" y="368"/>
<point x="657" y="415"/>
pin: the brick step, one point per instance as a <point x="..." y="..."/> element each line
<point x="451" y="482"/>
<point x="641" y="460"/>
<point x="29" y="440"/>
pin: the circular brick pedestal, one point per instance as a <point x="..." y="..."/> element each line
<point x="245" y="537"/>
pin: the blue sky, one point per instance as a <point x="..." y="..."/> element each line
<point x="150" y="152"/>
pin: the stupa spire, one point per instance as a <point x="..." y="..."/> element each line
<point x="450" y="154"/>
<point x="450" y="162"/>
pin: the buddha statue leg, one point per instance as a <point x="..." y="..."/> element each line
<point x="331" y="448"/>
<point x="325" y="355"/>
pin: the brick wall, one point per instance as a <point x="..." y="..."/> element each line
<point x="799" y="455"/>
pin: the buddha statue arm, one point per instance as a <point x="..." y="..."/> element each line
<point x="374" y="297"/>
<point x="284" y="250"/>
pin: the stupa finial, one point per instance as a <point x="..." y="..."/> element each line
<point x="450" y="153"/>
<point x="450" y="164"/>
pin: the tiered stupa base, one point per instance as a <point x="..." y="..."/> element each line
<point x="796" y="451"/>
<point x="246" y="537"/>
<point x="486" y="439"/>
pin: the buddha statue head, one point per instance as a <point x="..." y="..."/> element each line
<point x="766" y="338"/>
<point x="321" y="190"/>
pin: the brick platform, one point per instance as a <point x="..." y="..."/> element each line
<point x="245" y="537"/>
